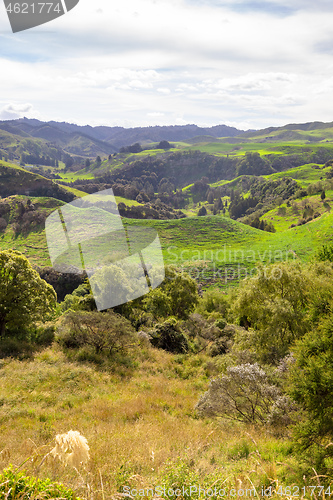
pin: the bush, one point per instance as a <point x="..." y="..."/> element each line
<point x="311" y="385"/>
<point x="44" y="334"/>
<point x="105" y="332"/>
<point x="219" y="346"/>
<point x="325" y="253"/>
<point x="243" y="393"/>
<point x="213" y="301"/>
<point x="176" y="296"/>
<point x="168" y="336"/>
<point x="273" y="303"/>
<point x="16" y="485"/>
<point x="12" y="347"/>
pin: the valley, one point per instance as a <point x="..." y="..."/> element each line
<point x="208" y="379"/>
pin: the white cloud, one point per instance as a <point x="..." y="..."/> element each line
<point x="11" y="111"/>
<point x="198" y="62"/>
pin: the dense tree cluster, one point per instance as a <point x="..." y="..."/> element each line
<point x="39" y="160"/>
<point x="254" y="164"/>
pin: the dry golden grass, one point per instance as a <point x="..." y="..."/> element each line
<point x="141" y="428"/>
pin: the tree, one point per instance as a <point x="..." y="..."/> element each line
<point x="105" y="331"/>
<point x="274" y="304"/>
<point x="311" y="385"/>
<point x="253" y="164"/>
<point x="168" y="336"/>
<point x="158" y="303"/>
<point x="176" y="296"/>
<point x="244" y="393"/>
<point x="323" y="195"/>
<point x="202" y="211"/>
<point x="69" y="162"/>
<point x="24" y="296"/>
<point x="210" y="197"/>
<point x="282" y="303"/>
<point x="164" y="145"/>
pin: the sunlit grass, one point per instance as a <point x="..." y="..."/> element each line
<point x="140" y="423"/>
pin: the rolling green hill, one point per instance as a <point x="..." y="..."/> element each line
<point x="214" y="249"/>
<point x="17" y="180"/>
<point x="202" y="244"/>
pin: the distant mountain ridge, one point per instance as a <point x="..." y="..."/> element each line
<point x="112" y="138"/>
<point x="88" y="141"/>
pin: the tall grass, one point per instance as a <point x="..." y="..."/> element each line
<point x="140" y="425"/>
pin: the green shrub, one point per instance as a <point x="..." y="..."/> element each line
<point x="213" y="301"/>
<point x="220" y="323"/>
<point x="311" y="385"/>
<point x="44" y="334"/>
<point x="325" y="253"/>
<point x="12" y="347"/>
<point x="168" y="336"/>
<point x="104" y="331"/>
<point x="219" y="346"/>
<point x="17" y="485"/>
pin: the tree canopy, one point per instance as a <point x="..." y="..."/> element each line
<point x="24" y="296"/>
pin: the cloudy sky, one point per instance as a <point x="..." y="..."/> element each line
<point x="249" y="64"/>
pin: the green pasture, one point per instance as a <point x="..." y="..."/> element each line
<point x="305" y="174"/>
<point x="209" y="245"/>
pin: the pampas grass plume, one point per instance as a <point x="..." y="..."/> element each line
<point x="71" y="448"/>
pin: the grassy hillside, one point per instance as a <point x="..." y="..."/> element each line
<point x="140" y="424"/>
<point x="220" y="251"/>
<point x="204" y="245"/>
<point x="17" y="180"/>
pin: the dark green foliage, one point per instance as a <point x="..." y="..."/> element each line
<point x="264" y="225"/>
<point x="202" y="211"/>
<point x="104" y="332"/>
<point x="176" y="296"/>
<point x="15" y="348"/>
<point x="300" y="193"/>
<point x="14" y="181"/>
<point x="254" y="164"/>
<point x="169" y="337"/>
<point x="63" y="283"/>
<point x="325" y="253"/>
<point x="323" y="195"/>
<point x="44" y="334"/>
<point x="24" y="296"/>
<point x="134" y="148"/>
<point x="267" y="191"/>
<point x="220" y="323"/>
<point x="81" y="299"/>
<point x="17" y="485"/>
<point x="218" y="347"/>
<point x="311" y="385"/>
<point x="240" y="205"/>
<point x="38" y="160"/>
<point x="164" y="145"/>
